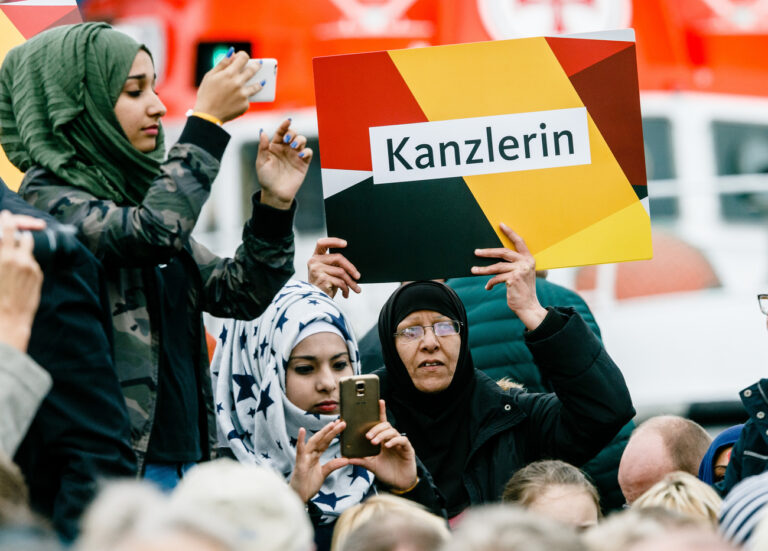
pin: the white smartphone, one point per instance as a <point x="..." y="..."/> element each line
<point x="267" y="71"/>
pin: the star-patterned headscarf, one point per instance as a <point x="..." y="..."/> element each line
<point x="255" y="419"/>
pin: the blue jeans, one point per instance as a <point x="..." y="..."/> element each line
<point x="166" y="475"/>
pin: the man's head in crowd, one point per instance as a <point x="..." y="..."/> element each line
<point x="659" y="446"/>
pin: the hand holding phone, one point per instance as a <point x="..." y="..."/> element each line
<point x="395" y="464"/>
<point x="359" y="403"/>
<point x="267" y="74"/>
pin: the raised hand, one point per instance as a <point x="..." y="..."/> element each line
<point x="223" y="92"/>
<point x="282" y="165"/>
<point x="331" y="272"/>
<point x="308" y="474"/>
<point x="395" y="465"/>
<point x="517" y="270"/>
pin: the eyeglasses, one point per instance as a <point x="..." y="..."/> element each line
<point x="762" y="300"/>
<point x="441" y="329"/>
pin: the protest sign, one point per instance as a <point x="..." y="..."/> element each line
<point x="20" y="20"/>
<point x="425" y="151"/>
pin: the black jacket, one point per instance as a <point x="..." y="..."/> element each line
<point x="750" y="452"/>
<point x="511" y="428"/>
<point x="81" y="432"/>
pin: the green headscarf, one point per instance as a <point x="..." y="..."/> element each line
<point x="57" y="98"/>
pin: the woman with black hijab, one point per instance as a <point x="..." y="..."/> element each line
<point x="471" y="434"/>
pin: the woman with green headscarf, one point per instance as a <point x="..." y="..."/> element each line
<point x="79" y="114"/>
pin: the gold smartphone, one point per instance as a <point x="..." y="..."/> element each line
<point x="360" y="410"/>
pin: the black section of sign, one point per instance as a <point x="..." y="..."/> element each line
<point x="641" y="191"/>
<point x="410" y="230"/>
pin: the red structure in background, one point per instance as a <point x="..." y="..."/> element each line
<point x="712" y="46"/>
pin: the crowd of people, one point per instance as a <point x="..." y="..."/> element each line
<point x="503" y="423"/>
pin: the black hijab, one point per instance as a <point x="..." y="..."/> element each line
<point x="437" y="424"/>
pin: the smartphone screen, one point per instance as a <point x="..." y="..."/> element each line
<point x="360" y="410"/>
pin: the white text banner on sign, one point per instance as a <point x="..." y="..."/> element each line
<point x="479" y="145"/>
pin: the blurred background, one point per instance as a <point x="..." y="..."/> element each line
<point x="684" y="327"/>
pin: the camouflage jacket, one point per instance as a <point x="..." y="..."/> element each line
<point x="132" y="241"/>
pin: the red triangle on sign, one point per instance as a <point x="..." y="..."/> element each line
<point x="348" y="105"/>
<point x="31" y="20"/>
<point x="576" y="55"/>
<point x="70" y="19"/>
<point x="608" y="90"/>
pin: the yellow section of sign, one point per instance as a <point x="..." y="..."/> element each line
<point x="626" y="230"/>
<point x="546" y="207"/>
<point x="486" y="78"/>
<point x="9" y="37"/>
<point x="580" y="196"/>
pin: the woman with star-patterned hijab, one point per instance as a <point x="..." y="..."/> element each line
<point x="275" y="382"/>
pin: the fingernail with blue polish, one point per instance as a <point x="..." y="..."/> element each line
<point x="260" y="131"/>
<point x="261" y="62"/>
<point x="287" y="138"/>
<point x="263" y="82"/>
<point x="301" y="154"/>
<point x="230" y="51"/>
<point x="294" y="144"/>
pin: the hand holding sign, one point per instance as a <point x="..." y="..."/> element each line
<point x="332" y="271"/>
<point x="518" y="271"/>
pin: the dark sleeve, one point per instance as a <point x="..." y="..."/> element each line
<point x="734" y="471"/>
<point x="157" y="229"/>
<point x="426" y="492"/>
<point x="591" y="401"/>
<point x="242" y="287"/>
<point x="81" y="433"/>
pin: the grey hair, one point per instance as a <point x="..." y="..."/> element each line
<point x="511" y="528"/>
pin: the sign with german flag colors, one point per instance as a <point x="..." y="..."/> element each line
<point x="20" y="20"/>
<point x="424" y="152"/>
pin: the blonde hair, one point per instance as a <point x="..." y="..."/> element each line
<point x="248" y="500"/>
<point x="532" y="480"/>
<point x="128" y="512"/>
<point x="684" y="493"/>
<point x="505" y="383"/>
<point x="377" y="505"/>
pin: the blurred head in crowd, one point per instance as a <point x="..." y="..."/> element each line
<point x="556" y="490"/>
<point x="683" y="540"/>
<point x="135" y="516"/>
<point x="250" y="501"/>
<point x="659" y="446"/>
<point x="715" y="461"/>
<point x="389" y="524"/>
<point x="510" y="528"/>
<point x="621" y="530"/>
<point x="393" y="520"/>
<point x="684" y="493"/>
<point x="743" y="509"/>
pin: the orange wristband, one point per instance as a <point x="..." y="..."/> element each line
<point x="204" y="116"/>
<point x="401" y="492"/>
